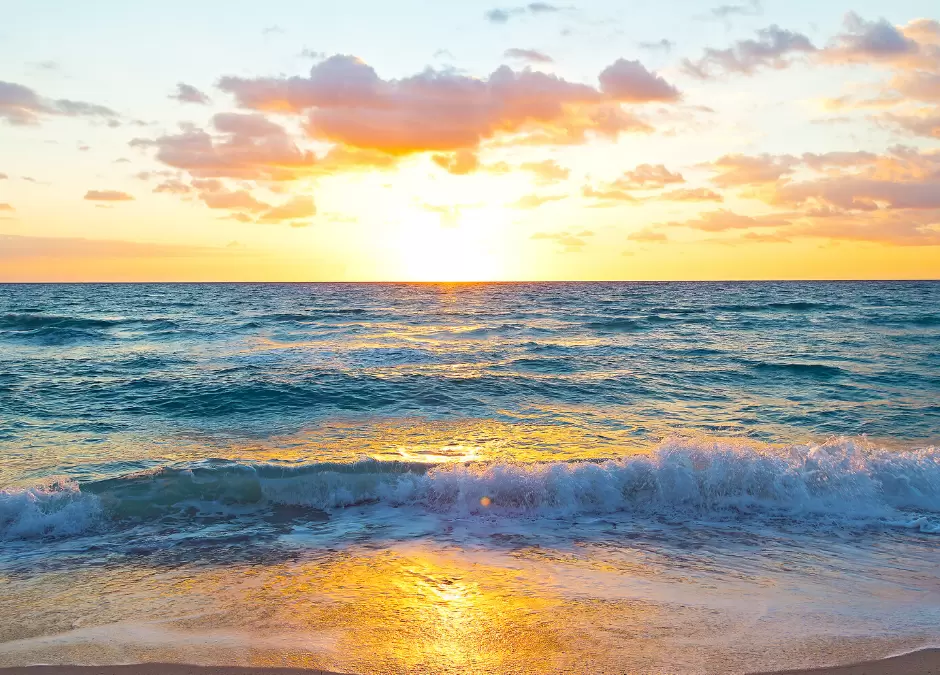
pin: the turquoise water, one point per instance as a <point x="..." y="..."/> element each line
<point x="720" y="432"/>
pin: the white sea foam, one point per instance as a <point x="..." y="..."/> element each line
<point x="840" y="478"/>
<point x="842" y="481"/>
<point x="56" y="508"/>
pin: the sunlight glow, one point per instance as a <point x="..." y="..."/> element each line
<point x="460" y="245"/>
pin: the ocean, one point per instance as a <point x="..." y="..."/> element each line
<point x="470" y="478"/>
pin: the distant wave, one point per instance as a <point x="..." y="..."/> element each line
<point x="782" y="306"/>
<point x="35" y="321"/>
<point x="917" y="321"/>
<point x="817" y="370"/>
<point x="616" y="325"/>
<point x="841" y="482"/>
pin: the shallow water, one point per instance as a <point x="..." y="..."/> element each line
<point x="470" y="478"/>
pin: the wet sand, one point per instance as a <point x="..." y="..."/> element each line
<point x="925" y="662"/>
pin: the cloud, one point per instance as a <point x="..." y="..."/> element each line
<point x="663" y="45"/>
<point x="866" y="41"/>
<point x="245" y="146"/>
<point x="6" y="207"/>
<point x="820" y="162"/>
<point x="173" y="186"/>
<point x="20" y="105"/>
<point x="643" y="177"/>
<point x="925" y="123"/>
<point x="607" y="194"/>
<point x="765" y="238"/>
<point x="108" y="196"/>
<point x="647" y="177"/>
<point x="896" y="228"/>
<point x="243" y="206"/>
<point x="722" y="220"/>
<point x="567" y="241"/>
<point x="16" y="247"/>
<point x="459" y="163"/>
<point x="503" y="15"/>
<point x="648" y="235"/>
<point x="693" y="195"/>
<point x="753" y="8"/>
<point x="534" y="201"/>
<point x="217" y="197"/>
<point x="296" y="209"/>
<point x="918" y="85"/>
<point x="892" y="198"/>
<point x="547" y="171"/>
<point x="186" y="93"/>
<point x="530" y="55"/>
<point x="345" y="101"/>
<point x="742" y="170"/>
<point x="774" y="48"/>
<point x="631" y="82"/>
<point x="863" y="194"/>
<point x="3" y="176"/>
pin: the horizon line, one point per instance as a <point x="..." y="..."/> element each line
<point x="504" y="282"/>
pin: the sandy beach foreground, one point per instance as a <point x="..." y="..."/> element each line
<point x="924" y="662"/>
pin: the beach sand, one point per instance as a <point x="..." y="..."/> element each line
<point x="924" y="662"/>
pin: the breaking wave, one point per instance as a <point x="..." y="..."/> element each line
<point x="840" y="482"/>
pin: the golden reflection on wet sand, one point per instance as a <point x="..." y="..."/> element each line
<point x="406" y="611"/>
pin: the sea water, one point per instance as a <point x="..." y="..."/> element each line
<point x="570" y="477"/>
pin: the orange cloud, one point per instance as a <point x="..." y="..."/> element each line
<point x="247" y="146"/>
<point x="647" y="177"/>
<point x="567" y="241"/>
<point x="297" y="209"/>
<point x="742" y="170"/>
<point x="547" y="171"/>
<point x="345" y="101"/>
<point x="693" y="195"/>
<point x="611" y="195"/>
<point x="897" y="228"/>
<point x="459" y="163"/>
<point x="535" y="201"/>
<point x="240" y="200"/>
<point x="108" y="196"/>
<point x="18" y="248"/>
<point x="722" y="219"/>
<point x="648" y="235"/>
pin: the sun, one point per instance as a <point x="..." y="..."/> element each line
<point x="450" y="244"/>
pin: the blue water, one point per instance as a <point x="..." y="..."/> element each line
<point x="194" y="423"/>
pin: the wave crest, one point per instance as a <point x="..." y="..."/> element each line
<point x="841" y="481"/>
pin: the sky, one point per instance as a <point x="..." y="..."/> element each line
<point x="419" y="140"/>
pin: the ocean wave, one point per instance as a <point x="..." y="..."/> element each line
<point x="816" y="370"/>
<point x="616" y="325"/>
<point x="54" y="329"/>
<point x="796" y="306"/>
<point x="916" y="321"/>
<point x="841" y="482"/>
<point x="30" y="322"/>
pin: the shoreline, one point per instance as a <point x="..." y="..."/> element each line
<point x="920" y="662"/>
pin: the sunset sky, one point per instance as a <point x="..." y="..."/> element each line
<point x="419" y="140"/>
